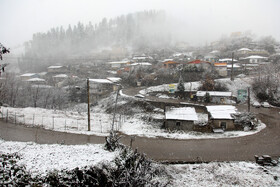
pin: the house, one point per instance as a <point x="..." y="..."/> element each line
<point x="27" y="76"/>
<point x="221" y="68"/>
<point x="255" y="59"/>
<point x="100" y="86"/>
<point x="119" y="64"/>
<point x="211" y="58"/>
<point x="60" y="77"/>
<point x="169" y="63"/>
<point x="116" y="81"/>
<point x="215" y="96"/>
<point x="205" y="65"/>
<point x="142" y="58"/>
<point x="182" y="118"/>
<point x="243" y="51"/>
<point x="220" y="117"/>
<point x="57" y="69"/>
<point x="227" y="60"/>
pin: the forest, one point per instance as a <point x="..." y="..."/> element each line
<point x="135" y="31"/>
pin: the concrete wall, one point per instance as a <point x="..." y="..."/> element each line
<point x="216" y="123"/>
<point x="184" y="125"/>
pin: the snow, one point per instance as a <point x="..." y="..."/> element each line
<point x="75" y="121"/>
<point x="182" y="113"/>
<point x="103" y="81"/>
<point x="221" y="111"/>
<point x="244" y="49"/>
<point x="42" y="158"/>
<point x="255" y="57"/>
<point x="54" y="67"/>
<point x="167" y="60"/>
<point x="36" y="80"/>
<point x="114" y="79"/>
<point x="28" y="75"/>
<point x="141" y="64"/>
<point x="234" y="66"/>
<point x="227" y="60"/>
<point x="119" y="62"/>
<point x="213" y="93"/>
<point x="224" y="174"/>
<point x="61" y="76"/>
<point x="189" y="86"/>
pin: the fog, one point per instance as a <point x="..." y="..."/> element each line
<point x="196" y="22"/>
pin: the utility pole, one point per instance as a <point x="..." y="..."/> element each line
<point x="231" y="76"/>
<point x="119" y="87"/>
<point x="248" y="99"/>
<point x="88" y="104"/>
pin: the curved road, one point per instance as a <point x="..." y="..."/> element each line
<point x="229" y="149"/>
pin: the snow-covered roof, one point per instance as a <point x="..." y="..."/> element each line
<point x="28" y="74"/>
<point x="36" y="80"/>
<point x="166" y="60"/>
<point x="250" y="65"/>
<point x="119" y="62"/>
<point x="255" y="57"/>
<point x="244" y="49"/>
<point x="234" y="66"/>
<point x="114" y="79"/>
<point x="183" y="113"/>
<point x="54" y="67"/>
<point x="61" y="76"/>
<point x="140" y="57"/>
<point x="102" y="81"/>
<point x="213" y="93"/>
<point x="141" y="64"/>
<point x="227" y="60"/>
<point x="221" y="111"/>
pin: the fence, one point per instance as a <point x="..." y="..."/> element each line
<point x="64" y="121"/>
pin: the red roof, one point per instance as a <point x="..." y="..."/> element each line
<point x="198" y="62"/>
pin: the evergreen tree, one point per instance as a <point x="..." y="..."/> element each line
<point x="181" y="86"/>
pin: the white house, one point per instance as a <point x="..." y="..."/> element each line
<point x="221" y="116"/>
<point x="182" y="118"/>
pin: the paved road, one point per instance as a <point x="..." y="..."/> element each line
<point x="242" y="148"/>
<point x="232" y="149"/>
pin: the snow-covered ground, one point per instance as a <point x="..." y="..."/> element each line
<point x="40" y="159"/>
<point x="233" y="86"/>
<point x="140" y="123"/>
<point x="101" y="122"/>
<point x="224" y="174"/>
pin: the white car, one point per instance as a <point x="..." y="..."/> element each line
<point x="256" y="104"/>
<point x="265" y="104"/>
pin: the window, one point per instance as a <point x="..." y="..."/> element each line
<point x="178" y="123"/>
<point x="223" y="125"/>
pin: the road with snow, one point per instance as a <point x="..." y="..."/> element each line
<point x="266" y="141"/>
<point x="228" y="149"/>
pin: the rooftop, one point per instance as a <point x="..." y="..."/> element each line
<point x="183" y="113"/>
<point x="221" y="111"/>
<point x="54" y="67"/>
<point x="28" y="74"/>
<point x="36" y="80"/>
<point x="102" y="81"/>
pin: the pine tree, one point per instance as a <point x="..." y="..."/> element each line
<point x="180" y="86"/>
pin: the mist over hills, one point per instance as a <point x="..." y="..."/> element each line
<point x="134" y="33"/>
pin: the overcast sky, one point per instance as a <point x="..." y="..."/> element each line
<point x="205" y="20"/>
